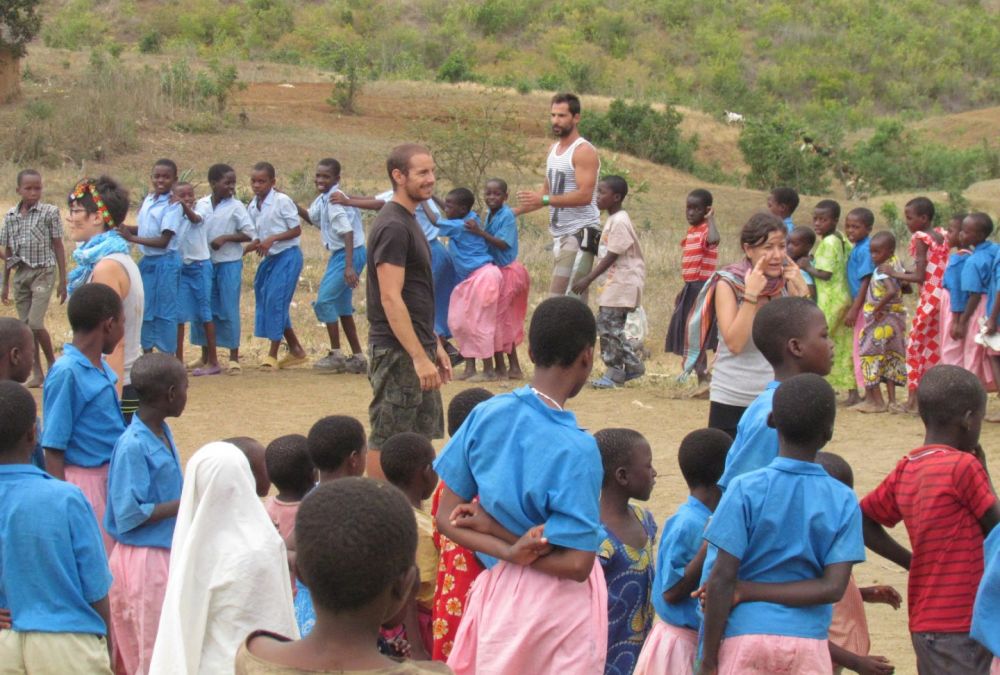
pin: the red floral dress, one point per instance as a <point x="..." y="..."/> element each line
<point x="923" y="350"/>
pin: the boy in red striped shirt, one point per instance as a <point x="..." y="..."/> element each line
<point x="942" y="493"/>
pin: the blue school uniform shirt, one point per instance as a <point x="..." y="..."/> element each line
<point x="785" y="522"/>
<point x="80" y="409"/>
<point x="144" y="472"/>
<point x="953" y="281"/>
<point x="756" y="443"/>
<point x="156" y="216"/>
<point x="192" y="241"/>
<point x="469" y="251"/>
<point x="227" y="217"/>
<point x="789" y="224"/>
<point x="430" y="229"/>
<point x="979" y="273"/>
<point x="529" y="464"/>
<point x="53" y="561"/>
<point x="335" y="220"/>
<point x="503" y="225"/>
<point x="859" y="265"/>
<point x="679" y="543"/>
<point x="986" y="611"/>
<point x="275" y="215"/>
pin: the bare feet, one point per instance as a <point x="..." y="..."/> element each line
<point x="482" y="377"/>
<point x="870" y="407"/>
<point x="853" y="399"/>
<point x="515" y="374"/>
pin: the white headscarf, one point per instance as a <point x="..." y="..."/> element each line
<point x="228" y="569"/>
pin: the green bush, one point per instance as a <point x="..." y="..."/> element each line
<point x="638" y="129"/>
<point x="150" y="42"/>
<point x="74" y="26"/>
<point x="456" y="68"/>
<point x="772" y="148"/>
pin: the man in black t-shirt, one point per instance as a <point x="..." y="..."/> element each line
<point x="408" y="365"/>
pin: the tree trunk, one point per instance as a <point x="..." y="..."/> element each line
<point x="10" y="76"/>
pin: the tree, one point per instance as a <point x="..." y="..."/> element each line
<point x="19" y="24"/>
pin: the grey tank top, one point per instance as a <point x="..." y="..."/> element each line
<point x="561" y="176"/>
<point x="133" y="304"/>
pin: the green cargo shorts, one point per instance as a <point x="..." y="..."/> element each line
<point x="398" y="404"/>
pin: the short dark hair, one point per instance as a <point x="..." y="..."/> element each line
<point x="333" y="439"/>
<point x="330" y="163"/>
<point x="17" y="414"/>
<point x="92" y="304"/>
<point x="779" y="321"/>
<point x="616" y="449"/>
<point x="702" y="456"/>
<point x="463" y="197"/>
<point x="945" y="393"/>
<point x="266" y="167"/>
<point x="561" y="328"/>
<point x="114" y="196"/>
<point x="154" y="373"/>
<point x="499" y="181"/>
<point x="922" y="206"/>
<point x="759" y="227"/>
<point x="400" y="156"/>
<point x="804" y="232"/>
<point x="703" y="196"/>
<point x="354" y="537"/>
<point x="183" y="183"/>
<point x="24" y="173"/>
<point x="217" y="172"/>
<point x="864" y="215"/>
<point x="617" y="185"/>
<point x="403" y="455"/>
<point x="288" y="464"/>
<point x="786" y="196"/>
<point x="982" y="221"/>
<point x="462" y="405"/>
<point x="169" y="163"/>
<point x="837" y="467"/>
<point x="883" y="237"/>
<point x="571" y="100"/>
<point x="832" y="207"/>
<point x="804" y="409"/>
<point x="13" y="333"/>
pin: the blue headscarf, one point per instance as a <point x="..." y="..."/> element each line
<point x="88" y="254"/>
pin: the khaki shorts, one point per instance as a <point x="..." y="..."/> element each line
<point x="398" y="404"/>
<point x="32" y="292"/>
<point x="570" y="264"/>
<point x="34" y="652"/>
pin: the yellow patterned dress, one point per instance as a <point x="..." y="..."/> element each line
<point x="882" y="345"/>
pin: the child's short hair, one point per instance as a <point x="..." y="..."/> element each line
<point x="92" y="304"/>
<point x="217" y="172"/>
<point x="786" y="196"/>
<point x="837" y="467"/>
<point x="704" y="197"/>
<point x="24" y="173"/>
<point x="702" y="456"/>
<point x="288" y="464"/>
<point x="462" y="405"/>
<point x="331" y="164"/>
<point x="561" y="328"/>
<point x="759" y="227"/>
<point x="982" y="221"/>
<point x="17" y="414"/>
<point x="500" y="182"/>
<point x="864" y="215"/>
<point x="884" y="238"/>
<point x="803" y="232"/>
<point x="400" y="156"/>
<point x="354" y="537"/>
<point x="830" y="206"/>
<point x="571" y="100"/>
<point x="617" y="185"/>
<point x="266" y="167"/>
<point x="169" y="163"/>
<point x="779" y="321"/>
<point x="13" y="333"/>
<point x="463" y="197"/>
<point x="922" y="206"/>
<point x="333" y="439"/>
<point x="616" y="449"/>
<point x="804" y="408"/>
<point x="404" y="455"/>
<point x="153" y="374"/>
<point x="946" y="393"/>
<point x="112" y="194"/>
<point x="182" y="184"/>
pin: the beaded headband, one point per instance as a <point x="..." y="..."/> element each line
<point x="89" y="187"/>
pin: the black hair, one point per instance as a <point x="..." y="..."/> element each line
<point x="922" y="206"/>
<point x="804" y="408"/>
<point x="354" y="537"/>
<point x="832" y="207"/>
<point x="779" y="321"/>
<point x="883" y="236"/>
<point x="864" y="215"/>
<point x="114" y="196"/>
<point x="759" y="227"/>
<point x="288" y="464"/>
<point x="13" y="333"/>
<point x="571" y="100"/>
<point x="153" y="374"/>
<point x="92" y="304"/>
<point x="217" y="172"/>
<point x="169" y="163"/>
<point x="958" y="217"/>
<point x="561" y="328"/>
<point x="499" y="181"/>
<point x="804" y="232"/>
<point x="463" y="197"/>
<point x="703" y="196"/>
<point x="404" y="455"/>
<point x="617" y="185"/>
<point x="330" y="163"/>
<point x="786" y="196"/>
<point x="837" y="467"/>
<point x="945" y="393"/>
<point x="17" y="414"/>
<point x="616" y="449"/>
<point x="400" y="156"/>
<point x="462" y="404"/>
<point x="982" y="221"/>
<point x="183" y="183"/>
<point x="702" y="456"/>
<point x="24" y="173"/>
<point x="333" y="439"/>
<point x="266" y="167"/>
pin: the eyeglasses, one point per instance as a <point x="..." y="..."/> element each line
<point x="77" y="210"/>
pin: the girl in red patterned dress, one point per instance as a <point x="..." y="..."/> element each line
<point x="929" y="250"/>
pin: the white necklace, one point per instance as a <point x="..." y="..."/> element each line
<point x="548" y="398"/>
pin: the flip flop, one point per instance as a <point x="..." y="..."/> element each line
<point x="206" y="370"/>
<point x="291" y="360"/>
<point x="234" y="368"/>
<point x="269" y="364"/>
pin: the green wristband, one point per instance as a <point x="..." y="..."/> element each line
<point x="545" y="200"/>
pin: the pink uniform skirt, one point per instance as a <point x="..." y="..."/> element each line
<point x="140" y="582"/>
<point x="512" y="307"/>
<point x="995" y="666"/>
<point x="93" y="481"/>
<point x="668" y="650"/>
<point x="774" y="655"/>
<point x="973" y="355"/>
<point x="472" y="313"/>
<point x="519" y="620"/>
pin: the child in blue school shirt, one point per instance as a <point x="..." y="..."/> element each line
<point x="54" y="578"/>
<point x="144" y="491"/>
<point x="80" y="405"/>
<point x="986" y="611"/>
<point x="792" y="335"/>
<point x="17" y="358"/>
<point x="953" y="299"/>
<point x="858" y="228"/>
<point x="775" y="528"/>
<point x="979" y="280"/>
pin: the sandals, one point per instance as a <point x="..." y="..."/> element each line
<point x="269" y="364"/>
<point x="234" y="368"/>
<point x="291" y="360"/>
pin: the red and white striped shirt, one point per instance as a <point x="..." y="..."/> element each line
<point x="699" y="258"/>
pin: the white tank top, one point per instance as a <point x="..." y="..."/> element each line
<point x="132" y="305"/>
<point x="561" y="176"/>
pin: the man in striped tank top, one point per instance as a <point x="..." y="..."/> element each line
<point x="570" y="193"/>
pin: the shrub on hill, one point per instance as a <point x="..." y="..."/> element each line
<point x="639" y="130"/>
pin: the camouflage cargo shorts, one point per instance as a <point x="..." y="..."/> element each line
<point x="398" y="404"/>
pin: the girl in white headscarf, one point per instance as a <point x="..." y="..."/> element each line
<point x="228" y="569"/>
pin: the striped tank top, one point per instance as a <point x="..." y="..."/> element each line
<point x="562" y="179"/>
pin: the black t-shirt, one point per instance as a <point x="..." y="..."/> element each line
<point x="395" y="237"/>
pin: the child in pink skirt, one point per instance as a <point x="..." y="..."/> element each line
<point x="953" y="299"/>
<point x="292" y="472"/>
<point x="144" y="490"/>
<point x="979" y="283"/>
